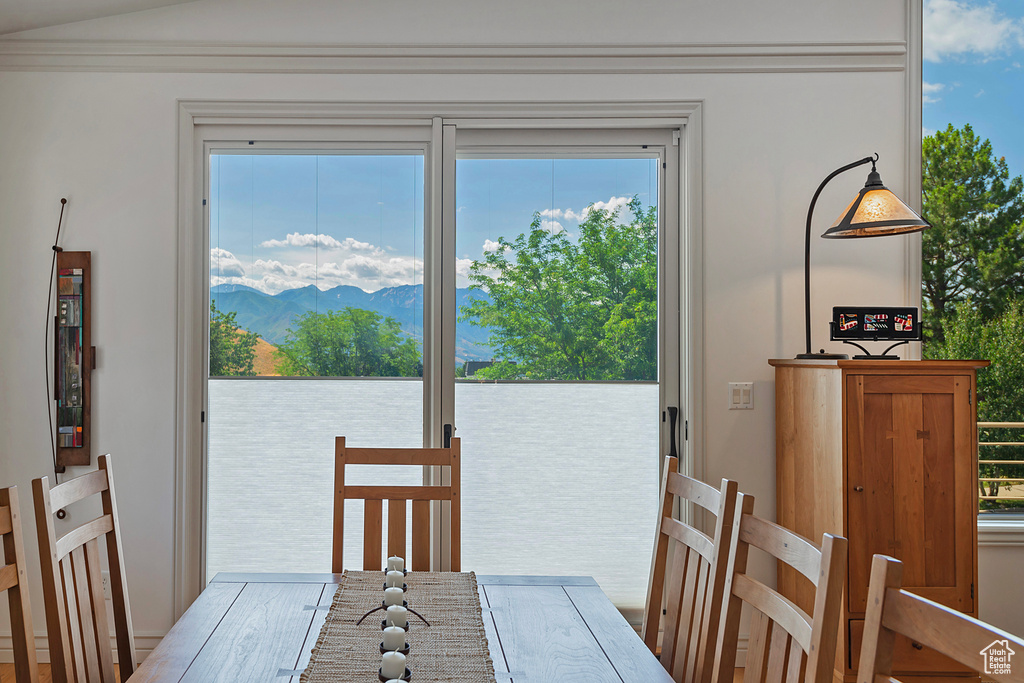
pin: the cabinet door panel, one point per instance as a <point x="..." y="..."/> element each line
<point x="940" y="487"/>
<point x="870" y="496"/>
<point x="904" y="434"/>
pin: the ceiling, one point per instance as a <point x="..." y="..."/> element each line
<point x="23" y="15"/>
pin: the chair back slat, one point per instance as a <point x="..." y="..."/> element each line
<point x="396" y="527"/>
<point x="87" y="613"/>
<point x="420" y="535"/>
<point x="79" y="488"/>
<point x="74" y="621"/>
<point x="780" y="542"/>
<point x="8" y="577"/>
<point x="686" y="666"/>
<point x="397" y="456"/>
<point x="373" y="542"/>
<point x="781" y="610"/>
<point x="398" y="492"/>
<point x="785" y="643"/>
<point x="685" y="563"/>
<point x="79" y="536"/>
<point x="692" y="584"/>
<point x="99" y="607"/>
<point x="797" y="663"/>
<point x="447" y="459"/>
<point x="757" y="648"/>
<point x="6" y="525"/>
<point x="694" y="491"/>
<point x="778" y="652"/>
<point x="76" y="616"/>
<point x="690" y="537"/>
<point x="14" y="582"/>
<point x="891" y="610"/>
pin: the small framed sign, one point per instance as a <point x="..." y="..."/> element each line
<point x="900" y="324"/>
<point x="875" y="323"/>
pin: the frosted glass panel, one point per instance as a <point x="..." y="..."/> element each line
<point x="271" y="466"/>
<point x="560" y="479"/>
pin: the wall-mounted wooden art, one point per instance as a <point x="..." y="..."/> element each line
<point x="74" y="357"/>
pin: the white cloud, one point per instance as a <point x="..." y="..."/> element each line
<point x="225" y="264"/>
<point x="954" y="29"/>
<point x="554" y="227"/>
<point x="613" y="204"/>
<point x="490" y="245"/>
<point x="323" y="241"/>
<point x="929" y="92"/>
<point x="462" y="266"/>
<point x="980" y="93"/>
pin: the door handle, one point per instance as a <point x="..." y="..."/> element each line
<point x="673" y="413"/>
<point x="858" y="489"/>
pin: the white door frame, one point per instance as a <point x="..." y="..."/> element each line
<point x="202" y="123"/>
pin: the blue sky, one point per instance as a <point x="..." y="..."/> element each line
<point x="283" y="221"/>
<point x="974" y="71"/>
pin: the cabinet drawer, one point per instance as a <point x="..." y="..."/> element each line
<point x="905" y="657"/>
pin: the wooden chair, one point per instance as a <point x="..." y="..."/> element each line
<point x="989" y="651"/>
<point x="14" y="581"/>
<point x="76" y="614"/>
<point x="373" y="497"/>
<point x="696" y="584"/>
<point x="785" y="644"/>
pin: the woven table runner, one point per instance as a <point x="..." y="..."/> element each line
<point x="453" y="649"/>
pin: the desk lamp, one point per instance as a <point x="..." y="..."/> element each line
<point x="874" y="212"/>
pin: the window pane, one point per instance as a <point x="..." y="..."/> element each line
<point x="316" y="272"/>
<point x="558" y="400"/>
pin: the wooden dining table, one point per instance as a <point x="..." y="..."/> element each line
<point x="540" y="629"/>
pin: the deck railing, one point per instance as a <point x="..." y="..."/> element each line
<point x="1000" y="465"/>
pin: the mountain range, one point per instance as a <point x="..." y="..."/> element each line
<point x="271" y="315"/>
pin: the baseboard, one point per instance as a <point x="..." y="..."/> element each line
<point x="144" y="644"/>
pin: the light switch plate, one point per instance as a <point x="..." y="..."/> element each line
<point x="741" y="395"/>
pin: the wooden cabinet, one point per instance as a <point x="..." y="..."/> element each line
<point x="884" y="453"/>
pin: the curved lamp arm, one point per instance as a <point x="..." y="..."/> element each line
<point x="807" y="251"/>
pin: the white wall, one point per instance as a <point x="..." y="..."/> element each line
<point x="107" y="140"/>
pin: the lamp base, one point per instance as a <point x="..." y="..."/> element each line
<point x="822" y="356"/>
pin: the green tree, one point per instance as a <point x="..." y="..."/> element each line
<point x="1000" y="386"/>
<point x="975" y="247"/>
<point x="349" y="343"/>
<point x="583" y="309"/>
<point x="232" y="349"/>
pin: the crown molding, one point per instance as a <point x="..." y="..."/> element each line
<point x="191" y="57"/>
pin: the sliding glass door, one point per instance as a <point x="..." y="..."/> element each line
<point x="520" y="285"/>
<point x="316" y="328"/>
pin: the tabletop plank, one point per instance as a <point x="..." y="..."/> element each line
<point x="261" y="634"/>
<point x="319" y="617"/>
<point x="276" y="577"/>
<point x="179" y="647"/>
<point x="627" y="653"/>
<point x="544" y="638"/>
<point x="493" y="642"/>
<point x="527" y="580"/>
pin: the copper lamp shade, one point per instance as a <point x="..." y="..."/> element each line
<point x="875" y="212"/>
